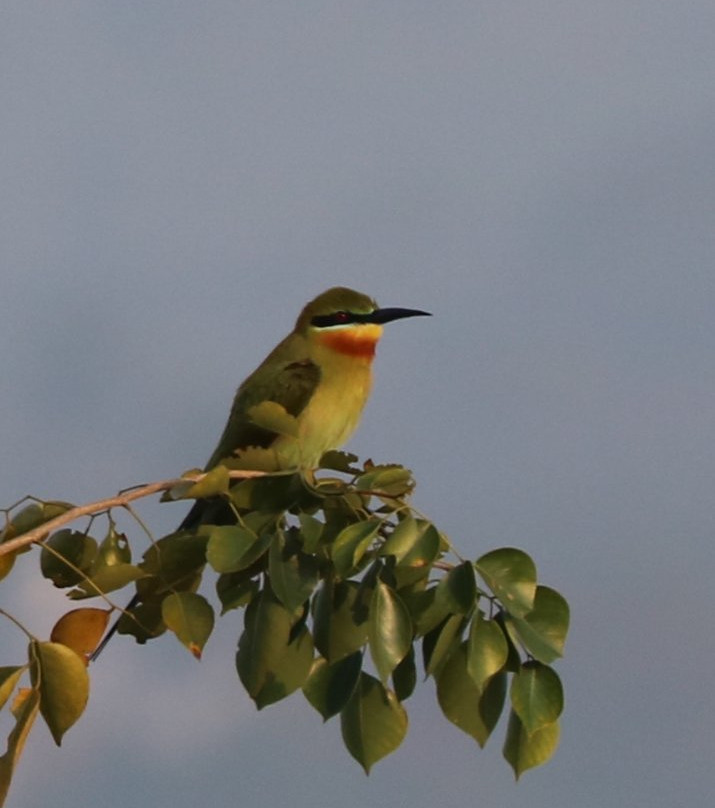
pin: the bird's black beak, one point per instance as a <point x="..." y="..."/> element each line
<point x="388" y="315"/>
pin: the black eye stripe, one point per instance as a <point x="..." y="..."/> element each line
<point x="338" y="318"/>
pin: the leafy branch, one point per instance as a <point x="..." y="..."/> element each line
<point x="340" y="580"/>
<point x="62" y="513"/>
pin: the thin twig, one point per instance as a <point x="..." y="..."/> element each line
<point x="17" y="623"/>
<point x="41" y="532"/>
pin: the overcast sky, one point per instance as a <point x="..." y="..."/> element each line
<point x="178" y="178"/>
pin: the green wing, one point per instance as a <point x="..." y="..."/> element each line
<point x="290" y="384"/>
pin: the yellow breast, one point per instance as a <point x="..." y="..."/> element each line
<point x="334" y="410"/>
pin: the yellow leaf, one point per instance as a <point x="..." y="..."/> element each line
<point x="18" y="703"/>
<point x="6" y="564"/>
<point x="61" y="677"/>
<point x="25" y="711"/>
<point x="9" y="677"/>
<point x="212" y="484"/>
<point x="190" y="617"/>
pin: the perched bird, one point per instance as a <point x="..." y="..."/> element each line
<point x="320" y="374"/>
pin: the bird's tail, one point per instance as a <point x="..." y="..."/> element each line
<point x="192" y="519"/>
<point x="113" y="630"/>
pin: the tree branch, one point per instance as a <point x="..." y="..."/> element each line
<point x="41" y="532"/>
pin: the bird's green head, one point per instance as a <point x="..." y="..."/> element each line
<point x="336" y="301"/>
<point x="347" y="321"/>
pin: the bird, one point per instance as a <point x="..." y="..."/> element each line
<point x="320" y="375"/>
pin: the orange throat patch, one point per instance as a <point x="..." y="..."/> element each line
<point x="359" y="342"/>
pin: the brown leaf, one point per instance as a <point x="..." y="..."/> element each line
<point x="81" y="629"/>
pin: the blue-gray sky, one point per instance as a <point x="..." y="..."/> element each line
<point x="178" y="178"/>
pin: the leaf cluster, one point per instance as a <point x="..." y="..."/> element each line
<point x="348" y="594"/>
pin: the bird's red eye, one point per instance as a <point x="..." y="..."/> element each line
<point x="336" y="318"/>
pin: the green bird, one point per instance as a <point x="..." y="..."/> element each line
<point x="320" y="375"/>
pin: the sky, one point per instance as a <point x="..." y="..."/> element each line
<point x="180" y="178"/>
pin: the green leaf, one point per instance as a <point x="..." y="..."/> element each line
<point x="152" y="588"/>
<point x="106" y="579"/>
<point x="405" y="577"/>
<point x="214" y="483"/>
<point x="404" y="677"/>
<point x="368" y="582"/>
<point x="403" y="538"/>
<point x="146" y="622"/>
<point x="339" y="461"/>
<point x="271" y="664"/>
<point x="511" y="575"/>
<point x="232" y="547"/>
<point x="513" y="660"/>
<point x="339" y="510"/>
<point x="393" y="481"/>
<point x="269" y="495"/>
<point x="32" y="516"/>
<point x="340" y="624"/>
<point x="373" y="722"/>
<point x="179" y="490"/>
<point x="293" y="573"/>
<point x="439" y="643"/>
<point x="267" y="625"/>
<point x="311" y="530"/>
<point x="536" y="696"/>
<point x="289" y="672"/>
<point x="190" y="617"/>
<point x="523" y="750"/>
<point x="77" y="549"/>
<point x="492" y="701"/>
<point x="113" y="550"/>
<point x="543" y="630"/>
<point x="458" y="589"/>
<point x="389" y="629"/>
<point x="25" y="712"/>
<point x="235" y="589"/>
<point x="332" y="491"/>
<point x="426" y="612"/>
<point x="351" y="544"/>
<point x="61" y="677"/>
<point x="9" y="676"/>
<point x="175" y="557"/>
<point x="487" y="650"/>
<point x="329" y="687"/>
<point x="413" y="543"/>
<point x="474" y="711"/>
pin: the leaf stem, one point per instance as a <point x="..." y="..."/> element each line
<point x="18" y="624"/>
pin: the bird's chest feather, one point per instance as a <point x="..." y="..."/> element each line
<point x="334" y="409"/>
